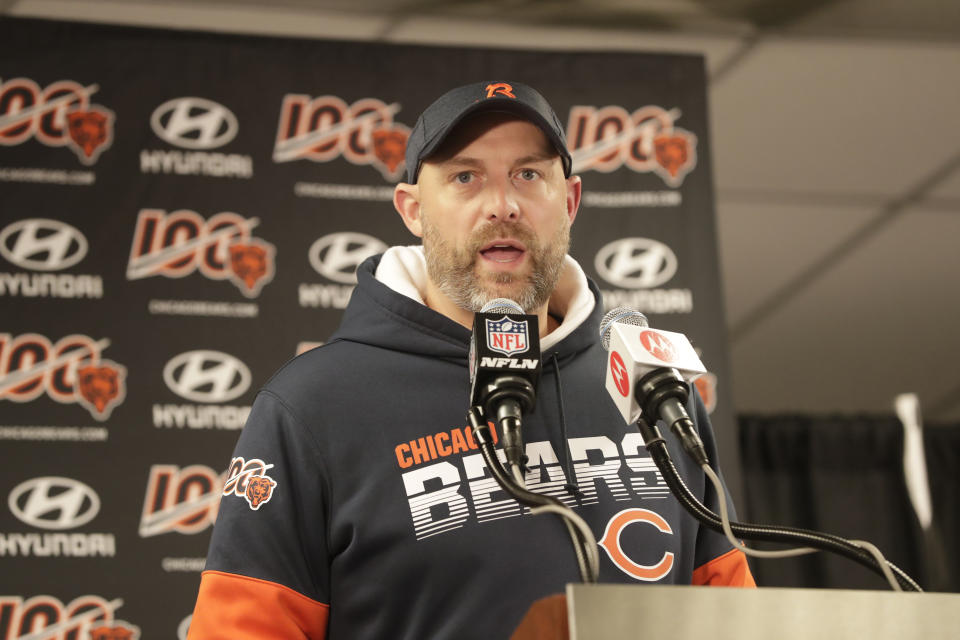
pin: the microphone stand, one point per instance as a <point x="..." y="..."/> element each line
<point x="509" y="397"/>
<point x="583" y="544"/>
<point x="657" y="446"/>
<point x="662" y="393"/>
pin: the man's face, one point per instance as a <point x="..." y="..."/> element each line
<point x="495" y="211"/>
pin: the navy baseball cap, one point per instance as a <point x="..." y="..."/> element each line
<point x="439" y="119"/>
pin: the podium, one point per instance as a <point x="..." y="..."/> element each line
<point x="619" y="612"/>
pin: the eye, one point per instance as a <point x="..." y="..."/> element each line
<point x="529" y="174"/>
<point x="464" y="177"/>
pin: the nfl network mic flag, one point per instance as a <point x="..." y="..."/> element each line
<point x="503" y="344"/>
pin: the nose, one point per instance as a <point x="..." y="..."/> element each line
<point x="502" y="202"/>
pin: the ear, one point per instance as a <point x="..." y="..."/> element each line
<point x="406" y="200"/>
<point x="574" y="189"/>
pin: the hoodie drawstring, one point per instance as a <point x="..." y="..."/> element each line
<point x="571" y="484"/>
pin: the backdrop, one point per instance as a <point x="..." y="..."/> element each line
<point x="180" y="213"/>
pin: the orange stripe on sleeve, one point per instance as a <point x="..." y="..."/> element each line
<point x="235" y="607"/>
<point x="728" y="570"/>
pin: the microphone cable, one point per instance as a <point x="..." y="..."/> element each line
<point x="584" y="542"/>
<point x="857" y="551"/>
<point x="787" y="553"/>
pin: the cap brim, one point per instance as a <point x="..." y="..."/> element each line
<point x="507" y="105"/>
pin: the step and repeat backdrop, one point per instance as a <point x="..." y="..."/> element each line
<point x="181" y="213"/>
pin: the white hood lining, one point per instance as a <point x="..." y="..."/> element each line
<point x="404" y="269"/>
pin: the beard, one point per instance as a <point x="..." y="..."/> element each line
<point x="454" y="269"/>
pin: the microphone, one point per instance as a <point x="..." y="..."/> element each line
<point x="649" y="373"/>
<point x="504" y="369"/>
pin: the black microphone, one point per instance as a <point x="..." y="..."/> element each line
<point x="504" y="370"/>
<point x="649" y="374"/>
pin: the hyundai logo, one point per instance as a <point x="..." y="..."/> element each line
<point x="207" y="376"/>
<point x="194" y="123"/>
<point x="54" y="503"/>
<point x="338" y="255"/>
<point x="636" y="263"/>
<point x="42" y="244"/>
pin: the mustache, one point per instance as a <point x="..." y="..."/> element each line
<point x="496" y="230"/>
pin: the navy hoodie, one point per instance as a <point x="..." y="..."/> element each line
<point x="357" y="504"/>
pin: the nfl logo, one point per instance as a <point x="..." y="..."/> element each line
<point x="507" y="336"/>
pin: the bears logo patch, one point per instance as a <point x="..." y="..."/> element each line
<point x="246" y="479"/>
<point x="251" y="264"/>
<point x="100" y="385"/>
<point x="259" y="491"/>
<point x="389" y="146"/>
<point x="672" y="153"/>
<point x="90" y="130"/>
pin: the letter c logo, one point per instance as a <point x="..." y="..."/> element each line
<point x="611" y="544"/>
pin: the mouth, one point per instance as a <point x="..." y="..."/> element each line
<point x="503" y="251"/>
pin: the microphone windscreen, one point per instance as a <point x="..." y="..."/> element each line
<point x="625" y="315"/>
<point x="502" y="305"/>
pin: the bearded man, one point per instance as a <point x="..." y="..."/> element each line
<point x="382" y="520"/>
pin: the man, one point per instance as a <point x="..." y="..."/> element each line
<point x="357" y="504"/>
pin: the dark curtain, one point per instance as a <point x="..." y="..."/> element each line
<point x="844" y="475"/>
<point x="942" y="443"/>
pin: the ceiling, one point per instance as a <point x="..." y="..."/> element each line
<point x="837" y="164"/>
